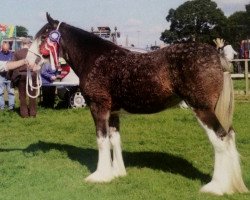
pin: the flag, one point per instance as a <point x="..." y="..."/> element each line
<point x="11" y="31"/>
<point x="7" y="31"/>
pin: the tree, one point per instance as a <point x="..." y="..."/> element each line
<point x="239" y="26"/>
<point x="237" y="23"/>
<point x="21" y="31"/>
<point x="195" y="20"/>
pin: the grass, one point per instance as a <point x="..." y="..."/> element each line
<point x="167" y="156"/>
<point x="239" y="84"/>
<point x="240" y="90"/>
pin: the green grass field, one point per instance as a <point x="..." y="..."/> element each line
<point x="240" y="84"/>
<point x="167" y="156"/>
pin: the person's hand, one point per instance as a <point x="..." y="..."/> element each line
<point x="53" y="78"/>
<point x="26" y="62"/>
<point x="34" y="67"/>
<point x="58" y="76"/>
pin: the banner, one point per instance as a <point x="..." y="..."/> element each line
<point x="7" y="31"/>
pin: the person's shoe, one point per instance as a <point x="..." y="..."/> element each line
<point x="32" y="112"/>
<point x="24" y="112"/>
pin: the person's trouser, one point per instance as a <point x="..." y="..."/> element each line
<point x="48" y="93"/>
<point x="26" y="109"/>
<point x="6" y="84"/>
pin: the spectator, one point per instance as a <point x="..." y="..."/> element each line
<point x="48" y="91"/>
<point x="229" y="52"/>
<point x="6" y="55"/>
<point x="27" y="109"/>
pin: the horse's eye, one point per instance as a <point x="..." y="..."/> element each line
<point x="43" y="37"/>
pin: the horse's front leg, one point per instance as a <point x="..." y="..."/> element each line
<point x="115" y="139"/>
<point x="104" y="172"/>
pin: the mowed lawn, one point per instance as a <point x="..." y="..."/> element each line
<point x="167" y="156"/>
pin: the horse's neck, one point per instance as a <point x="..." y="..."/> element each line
<point x="82" y="53"/>
<point x="79" y="60"/>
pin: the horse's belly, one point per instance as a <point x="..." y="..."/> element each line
<point x="149" y="103"/>
<point x="146" y="90"/>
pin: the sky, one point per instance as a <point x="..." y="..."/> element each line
<point x="140" y="21"/>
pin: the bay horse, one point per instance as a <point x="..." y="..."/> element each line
<point x="113" y="78"/>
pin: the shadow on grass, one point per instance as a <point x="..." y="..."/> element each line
<point x="153" y="160"/>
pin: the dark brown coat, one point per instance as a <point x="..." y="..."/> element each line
<point x="113" y="78"/>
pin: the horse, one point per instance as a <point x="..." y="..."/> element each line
<point x="113" y="78"/>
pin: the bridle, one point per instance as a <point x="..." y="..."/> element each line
<point x="52" y="43"/>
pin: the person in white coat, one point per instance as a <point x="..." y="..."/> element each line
<point x="229" y="52"/>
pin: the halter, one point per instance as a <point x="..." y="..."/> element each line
<point x="29" y="81"/>
<point x="51" y="46"/>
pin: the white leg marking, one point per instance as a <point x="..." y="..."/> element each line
<point x="118" y="164"/>
<point x="183" y="105"/>
<point x="104" y="170"/>
<point x="227" y="177"/>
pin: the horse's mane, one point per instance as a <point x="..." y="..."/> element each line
<point x="42" y="31"/>
<point x="81" y="36"/>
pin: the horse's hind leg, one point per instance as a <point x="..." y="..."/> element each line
<point x="227" y="177"/>
<point x="117" y="164"/>
<point x="104" y="172"/>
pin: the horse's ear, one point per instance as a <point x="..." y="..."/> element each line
<point x="50" y="20"/>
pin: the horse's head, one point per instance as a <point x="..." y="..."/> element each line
<point x="45" y="31"/>
<point x="46" y="42"/>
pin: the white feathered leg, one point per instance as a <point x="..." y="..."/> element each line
<point x="227" y="177"/>
<point x="104" y="171"/>
<point x="118" y="164"/>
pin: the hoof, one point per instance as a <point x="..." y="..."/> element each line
<point x="219" y="189"/>
<point x="119" y="173"/>
<point x="212" y="188"/>
<point x="98" y="177"/>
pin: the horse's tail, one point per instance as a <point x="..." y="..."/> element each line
<point x="227" y="171"/>
<point x="225" y="106"/>
<point x="225" y="64"/>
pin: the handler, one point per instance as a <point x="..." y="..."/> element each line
<point x="6" y="66"/>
